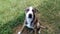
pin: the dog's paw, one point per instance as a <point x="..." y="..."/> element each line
<point x="39" y="32"/>
<point x="19" y="32"/>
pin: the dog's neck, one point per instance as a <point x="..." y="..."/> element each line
<point x="30" y="21"/>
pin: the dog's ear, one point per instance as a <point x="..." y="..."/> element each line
<point x="35" y="10"/>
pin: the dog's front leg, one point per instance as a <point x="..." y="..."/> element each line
<point x="36" y="32"/>
<point x="22" y="29"/>
<point x="35" y="29"/>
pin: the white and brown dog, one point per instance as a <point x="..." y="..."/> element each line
<point x="31" y="21"/>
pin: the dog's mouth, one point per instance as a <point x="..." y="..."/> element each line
<point x="30" y="16"/>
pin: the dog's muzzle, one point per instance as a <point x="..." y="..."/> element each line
<point x="30" y="16"/>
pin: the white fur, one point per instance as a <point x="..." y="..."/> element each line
<point x="19" y="32"/>
<point x="29" y="19"/>
<point x="38" y="24"/>
<point x="39" y="31"/>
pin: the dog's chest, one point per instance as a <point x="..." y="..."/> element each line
<point x="28" y="23"/>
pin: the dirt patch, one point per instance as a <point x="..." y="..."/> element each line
<point x="17" y="29"/>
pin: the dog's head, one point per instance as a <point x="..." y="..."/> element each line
<point x="30" y="12"/>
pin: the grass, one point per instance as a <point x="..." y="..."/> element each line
<point x="50" y="15"/>
<point x="12" y="12"/>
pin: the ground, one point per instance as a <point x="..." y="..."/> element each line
<point x="17" y="29"/>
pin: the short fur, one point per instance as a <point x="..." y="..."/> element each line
<point x="31" y="23"/>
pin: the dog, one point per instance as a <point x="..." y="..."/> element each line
<point x="31" y="21"/>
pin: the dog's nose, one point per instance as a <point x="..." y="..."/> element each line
<point x="30" y="16"/>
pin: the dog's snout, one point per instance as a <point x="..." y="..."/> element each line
<point x="30" y="16"/>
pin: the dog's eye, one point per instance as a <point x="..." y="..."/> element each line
<point x="27" y="10"/>
<point x="33" y="10"/>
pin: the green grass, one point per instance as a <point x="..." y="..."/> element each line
<point x="50" y="15"/>
<point x="12" y="14"/>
